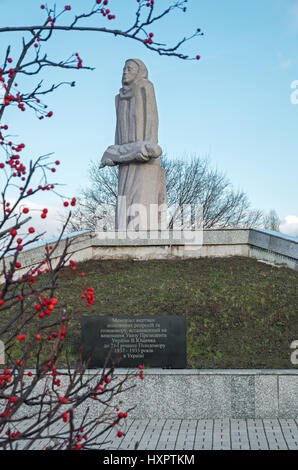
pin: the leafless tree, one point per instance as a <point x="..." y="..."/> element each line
<point x="32" y="403"/>
<point x="271" y="221"/>
<point x="32" y="61"/>
<point x="190" y="181"/>
<point x="33" y="407"/>
<point x="94" y="199"/>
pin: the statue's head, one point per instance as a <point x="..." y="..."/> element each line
<point x="134" y="69"/>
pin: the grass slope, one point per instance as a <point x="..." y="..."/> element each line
<point x="240" y="313"/>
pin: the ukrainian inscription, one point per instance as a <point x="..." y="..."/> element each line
<point x="148" y="340"/>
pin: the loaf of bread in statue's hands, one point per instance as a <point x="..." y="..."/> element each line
<point x="127" y="153"/>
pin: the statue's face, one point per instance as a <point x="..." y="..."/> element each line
<point x="130" y="72"/>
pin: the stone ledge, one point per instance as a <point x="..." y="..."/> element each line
<point x="268" y="246"/>
<point x="279" y="372"/>
<point x="206" y="394"/>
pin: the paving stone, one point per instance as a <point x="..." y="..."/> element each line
<point x="134" y="434"/>
<point x="239" y="436"/>
<point x="290" y="433"/>
<point x="169" y="435"/>
<point x="256" y="435"/>
<point x="274" y="435"/>
<point x="151" y="435"/>
<point x="204" y="435"/>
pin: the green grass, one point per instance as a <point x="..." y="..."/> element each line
<point x="239" y="313"/>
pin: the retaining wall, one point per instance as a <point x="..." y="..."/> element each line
<point x="205" y="394"/>
<point x="271" y="247"/>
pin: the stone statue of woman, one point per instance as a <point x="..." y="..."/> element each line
<point x="141" y="180"/>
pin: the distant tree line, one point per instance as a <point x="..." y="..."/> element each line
<point x="190" y="182"/>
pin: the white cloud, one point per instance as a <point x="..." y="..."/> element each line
<point x="51" y="224"/>
<point x="290" y="225"/>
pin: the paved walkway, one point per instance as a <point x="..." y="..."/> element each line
<point x="203" y="434"/>
<point x="207" y="434"/>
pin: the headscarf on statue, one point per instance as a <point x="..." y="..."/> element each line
<point x="136" y="137"/>
<point x="128" y="91"/>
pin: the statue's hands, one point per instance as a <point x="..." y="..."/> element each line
<point x="128" y="153"/>
<point x="153" y="150"/>
<point x="107" y="162"/>
<point x="140" y="157"/>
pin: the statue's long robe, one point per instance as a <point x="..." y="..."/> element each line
<point x="138" y="182"/>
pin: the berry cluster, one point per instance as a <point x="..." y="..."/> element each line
<point x="46" y="307"/>
<point x="5" y="378"/>
<point x="80" y="61"/>
<point x="147" y="3"/>
<point x="105" y="11"/>
<point x="141" y="372"/>
<point x="149" y="40"/>
<point x="89" y="296"/>
<point x="72" y="202"/>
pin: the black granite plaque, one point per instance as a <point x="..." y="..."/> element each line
<point x="151" y="341"/>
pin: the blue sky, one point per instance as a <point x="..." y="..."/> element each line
<point x="234" y="105"/>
